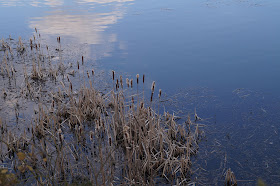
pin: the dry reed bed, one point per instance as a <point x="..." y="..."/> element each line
<point x="79" y="135"/>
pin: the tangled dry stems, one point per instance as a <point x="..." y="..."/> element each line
<point x="85" y="136"/>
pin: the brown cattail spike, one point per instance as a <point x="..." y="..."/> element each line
<point x="82" y="60"/>
<point x="127" y="82"/>
<point x="131" y="83"/>
<point x="137" y="77"/>
<point x="121" y="81"/>
<point x="152" y="96"/>
<point x="113" y="73"/>
<point x="153" y="86"/>
<point x="143" y="78"/>
<point x="159" y="95"/>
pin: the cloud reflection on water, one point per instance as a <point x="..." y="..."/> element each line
<point x="86" y="28"/>
<point x="35" y="3"/>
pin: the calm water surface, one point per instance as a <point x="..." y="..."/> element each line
<point x="222" y="56"/>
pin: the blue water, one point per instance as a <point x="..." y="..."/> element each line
<point x="222" y="56"/>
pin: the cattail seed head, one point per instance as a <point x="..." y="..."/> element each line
<point x="113" y="73"/>
<point x="82" y="60"/>
<point x="131" y="83"/>
<point x="92" y="72"/>
<point x="152" y="96"/>
<point x="121" y="81"/>
<point x="137" y="77"/>
<point x="78" y="65"/>
<point x="143" y="78"/>
<point x="127" y="82"/>
<point x="153" y="86"/>
<point x="91" y="136"/>
<point x="159" y="95"/>
<point x="110" y="140"/>
<point x="87" y="74"/>
<point x="35" y="29"/>
<point x="142" y="105"/>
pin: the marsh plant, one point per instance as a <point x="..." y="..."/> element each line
<point x="79" y="135"/>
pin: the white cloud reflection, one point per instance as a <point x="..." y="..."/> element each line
<point x="54" y="3"/>
<point x="103" y="1"/>
<point x="34" y="3"/>
<point x="86" y="28"/>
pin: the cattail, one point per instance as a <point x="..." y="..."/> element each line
<point x="118" y="85"/>
<point x="92" y="72"/>
<point x="137" y="77"/>
<point x="159" y="95"/>
<point x="91" y="136"/>
<point x="127" y="82"/>
<point x="143" y="78"/>
<point x="35" y="29"/>
<point x="78" y="65"/>
<point x="110" y="140"/>
<point x="40" y="35"/>
<point x="152" y="96"/>
<point x="113" y="73"/>
<point x="87" y="74"/>
<point x="68" y="79"/>
<point x="142" y="105"/>
<point x="121" y="81"/>
<point x="153" y="86"/>
<point x="47" y="47"/>
<point x="82" y="60"/>
<point x="59" y="39"/>
<point x="131" y="83"/>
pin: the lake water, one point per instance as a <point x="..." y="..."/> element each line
<point x="221" y="57"/>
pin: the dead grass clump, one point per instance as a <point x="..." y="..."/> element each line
<point x="84" y="136"/>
